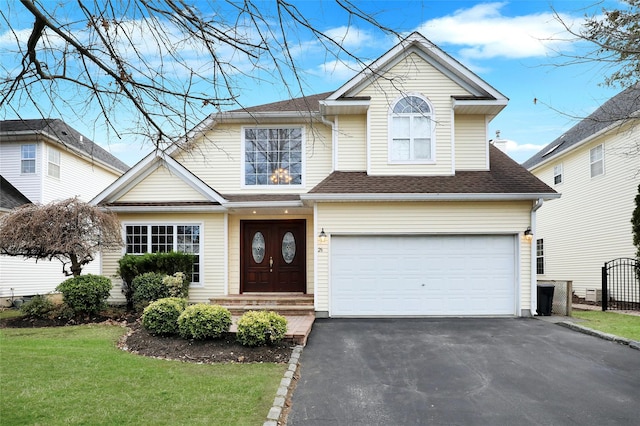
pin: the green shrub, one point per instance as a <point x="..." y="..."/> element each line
<point x="130" y="266"/>
<point x="177" y="285"/>
<point x="257" y="328"/>
<point x="149" y="287"/>
<point x="202" y="321"/>
<point x="38" y="307"/>
<point x="161" y="316"/>
<point x="85" y="294"/>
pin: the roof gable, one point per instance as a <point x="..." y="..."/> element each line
<point x="617" y="110"/>
<point x="64" y="135"/>
<point x="416" y="43"/>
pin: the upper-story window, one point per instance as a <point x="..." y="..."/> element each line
<point x="411" y="131"/>
<point x="53" y="163"/>
<point x="557" y="174"/>
<point x="28" y="158"/>
<point x="273" y="156"/>
<point x="596" y="159"/>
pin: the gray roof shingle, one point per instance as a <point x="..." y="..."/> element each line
<point x="621" y="107"/>
<point x="10" y="197"/>
<point x="66" y="134"/>
<point x="504" y="177"/>
<point x="304" y="103"/>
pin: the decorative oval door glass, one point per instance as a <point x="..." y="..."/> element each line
<point x="257" y="247"/>
<point x="288" y="247"/>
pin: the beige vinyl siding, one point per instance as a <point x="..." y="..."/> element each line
<point x="216" y="158"/>
<point x="471" y="142"/>
<point x="78" y="177"/>
<point x="423" y="218"/>
<point x="590" y="223"/>
<point x="411" y="75"/>
<point x="352" y="143"/>
<point x="234" y="247"/>
<point x="162" y="185"/>
<point x="29" y="184"/>
<point x="212" y="257"/>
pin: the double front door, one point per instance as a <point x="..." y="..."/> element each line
<point x="273" y="256"/>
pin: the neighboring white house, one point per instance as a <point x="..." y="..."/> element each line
<point x="596" y="167"/>
<point x="41" y="161"/>
<point x="381" y="198"/>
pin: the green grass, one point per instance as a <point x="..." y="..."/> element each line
<point x="10" y="313"/>
<point x="76" y="376"/>
<point x="611" y="322"/>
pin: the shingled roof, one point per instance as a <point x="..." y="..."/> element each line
<point x="504" y="177"/>
<point x="623" y="106"/>
<point x="304" y="103"/>
<point x="67" y="135"/>
<point x="10" y="197"/>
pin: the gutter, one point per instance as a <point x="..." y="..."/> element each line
<point x="534" y="278"/>
<point x="427" y="197"/>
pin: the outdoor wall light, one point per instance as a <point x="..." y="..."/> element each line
<point x="322" y="237"/>
<point x="528" y="235"/>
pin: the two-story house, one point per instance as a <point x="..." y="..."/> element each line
<point x="381" y="198"/>
<point x="595" y="165"/>
<point x="44" y="160"/>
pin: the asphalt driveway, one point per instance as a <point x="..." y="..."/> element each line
<point x="463" y="372"/>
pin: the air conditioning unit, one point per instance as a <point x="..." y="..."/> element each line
<point x="593" y="295"/>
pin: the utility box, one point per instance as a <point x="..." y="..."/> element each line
<point x="593" y="295"/>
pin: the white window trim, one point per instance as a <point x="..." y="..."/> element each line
<point x="303" y="156"/>
<point x="390" y="116"/>
<point x="591" y="163"/>
<point x="561" y="174"/>
<point x="50" y="151"/>
<point x="199" y="284"/>
<point x="34" y="159"/>
<point x="544" y="268"/>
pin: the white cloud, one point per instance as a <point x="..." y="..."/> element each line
<point x="513" y="146"/>
<point x="336" y="71"/>
<point x="485" y="33"/>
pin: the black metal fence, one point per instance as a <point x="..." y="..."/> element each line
<point x="621" y="284"/>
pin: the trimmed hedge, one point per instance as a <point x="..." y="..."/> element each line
<point x="161" y="316"/>
<point x="149" y="287"/>
<point x="258" y="328"/>
<point x="203" y="321"/>
<point x="130" y="266"/>
<point x="85" y="294"/>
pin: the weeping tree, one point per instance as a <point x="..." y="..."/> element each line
<point x="71" y="231"/>
<point x="164" y="64"/>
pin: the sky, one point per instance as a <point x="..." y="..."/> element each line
<point x="516" y="46"/>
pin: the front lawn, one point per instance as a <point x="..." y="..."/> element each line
<point x="76" y="375"/>
<point x="611" y="322"/>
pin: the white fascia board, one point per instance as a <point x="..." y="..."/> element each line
<point x="166" y="209"/>
<point x="428" y="197"/>
<point x="126" y="181"/>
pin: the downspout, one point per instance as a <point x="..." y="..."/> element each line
<point x="534" y="279"/>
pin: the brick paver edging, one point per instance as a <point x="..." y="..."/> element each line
<point x="622" y="340"/>
<point x="283" y="389"/>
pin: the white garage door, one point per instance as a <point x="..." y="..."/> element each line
<point x="423" y="275"/>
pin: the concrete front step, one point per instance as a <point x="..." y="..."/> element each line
<point x="283" y="303"/>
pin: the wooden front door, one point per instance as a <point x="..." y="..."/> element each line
<point x="272" y="256"/>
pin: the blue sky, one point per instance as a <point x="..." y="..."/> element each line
<point x="513" y="45"/>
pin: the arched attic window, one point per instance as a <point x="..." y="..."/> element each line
<point x="411" y="130"/>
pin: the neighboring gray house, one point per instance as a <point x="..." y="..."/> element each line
<point x="44" y="160"/>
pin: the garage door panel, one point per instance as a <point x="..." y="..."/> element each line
<point x="422" y="275"/>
